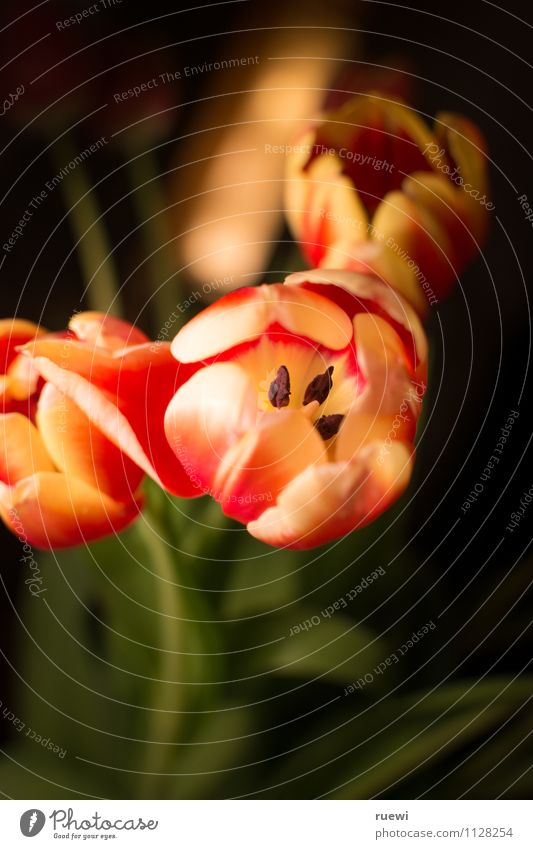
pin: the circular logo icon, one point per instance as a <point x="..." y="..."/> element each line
<point x="32" y="822"/>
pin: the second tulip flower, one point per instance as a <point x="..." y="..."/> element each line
<point x="301" y="409"/>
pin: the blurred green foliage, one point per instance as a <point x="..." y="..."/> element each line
<point x="163" y="663"/>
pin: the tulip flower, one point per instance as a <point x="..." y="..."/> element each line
<point x="81" y="424"/>
<point x="370" y="187"/>
<point x="300" y="411"/>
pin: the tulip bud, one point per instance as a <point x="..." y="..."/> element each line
<point x="371" y="182"/>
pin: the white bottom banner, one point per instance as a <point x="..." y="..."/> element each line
<point x="264" y="824"/>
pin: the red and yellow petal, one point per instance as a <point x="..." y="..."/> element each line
<point x="466" y="146"/>
<point x="125" y="394"/>
<point x="14" y="332"/>
<point x="379" y="259"/>
<point x="418" y="235"/>
<point x="451" y="208"/>
<point x="257" y="468"/>
<point x="106" y="331"/>
<point x="377" y="140"/>
<point x="17" y="379"/>
<point x="80" y="450"/>
<point x="207" y="415"/>
<point x="390" y="389"/>
<point x="362" y="428"/>
<point x="328" y="501"/>
<point x="405" y="135"/>
<point x="49" y="510"/>
<point x="22" y="450"/>
<point x="322" y="206"/>
<point x="115" y="371"/>
<point x="21" y="381"/>
<point x="363" y="293"/>
<point x="244" y="315"/>
<point x="133" y="422"/>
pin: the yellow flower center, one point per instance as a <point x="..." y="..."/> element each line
<point x="319" y="383"/>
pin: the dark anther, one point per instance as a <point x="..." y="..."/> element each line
<point x="319" y="388"/>
<point x="328" y="426"/>
<point x="280" y="389"/>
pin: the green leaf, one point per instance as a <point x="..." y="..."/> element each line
<point x="332" y="649"/>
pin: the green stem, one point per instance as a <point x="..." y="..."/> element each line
<point x="150" y="204"/>
<point x="165" y="719"/>
<point x="94" y="250"/>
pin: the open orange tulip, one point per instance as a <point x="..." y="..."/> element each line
<point x="86" y="426"/>
<point x="371" y="187"/>
<point x="300" y="413"/>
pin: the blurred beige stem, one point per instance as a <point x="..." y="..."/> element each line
<point x="228" y="207"/>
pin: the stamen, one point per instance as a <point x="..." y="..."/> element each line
<point x="328" y="426"/>
<point x="319" y="388"/>
<point x="280" y="389"/>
